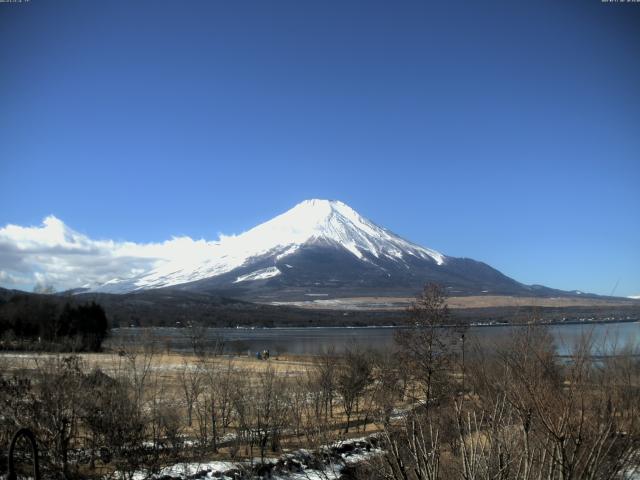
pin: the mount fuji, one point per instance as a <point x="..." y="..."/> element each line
<point x="321" y="248"/>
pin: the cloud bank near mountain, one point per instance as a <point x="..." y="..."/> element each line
<point x="54" y="255"/>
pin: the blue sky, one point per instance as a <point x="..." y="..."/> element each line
<point x="508" y="132"/>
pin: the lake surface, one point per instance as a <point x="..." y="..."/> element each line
<point x="606" y="337"/>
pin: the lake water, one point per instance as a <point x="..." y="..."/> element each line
<point x="310" y="341"/>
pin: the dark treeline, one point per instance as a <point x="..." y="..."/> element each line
<point x="44" y="322"/>
<point x="170" y="307"/>
<point x="176" y="308"/>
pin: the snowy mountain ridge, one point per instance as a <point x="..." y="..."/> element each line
<point x="311" y="222"/>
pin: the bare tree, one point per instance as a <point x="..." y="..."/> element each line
<point x="427" y="347"/>
<point x="269" y="410"/>
<point x="569" y="424"/>
<point x="196" y="332"/>
<point x="215" y="411"/>
<point x="116" y="428"/>
<point x="389" y="385"/>
<point x="56" y="407"/>
<point x="136" y="365"/>
<point x="353" y="377"/>
<point x="243" y="404"/>
<point x="191" y="379"/>
<point x="325" y="376"/>
<point x="413" y="450"/>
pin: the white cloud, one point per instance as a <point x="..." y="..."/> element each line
<point x="53" y="254"/>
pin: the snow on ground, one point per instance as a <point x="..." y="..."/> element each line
<point x="187" y="470"/>
<point x="632" y="473"/>
<point x="191" y="469"/>
<point x="259" y="274"/>
<point x="291" y="466"/>
<point x="309" y="475"/>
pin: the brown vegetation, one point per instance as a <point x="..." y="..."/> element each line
<point x="443" y="409"/>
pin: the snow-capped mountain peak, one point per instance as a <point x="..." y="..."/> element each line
<point x="311" y="222"/>
<point x="336" y="222"/>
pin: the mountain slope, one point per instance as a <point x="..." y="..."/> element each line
<point x="321" y="248"/>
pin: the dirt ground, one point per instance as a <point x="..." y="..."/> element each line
<point x="169" y="364"/>
<point x="477" y="301"/>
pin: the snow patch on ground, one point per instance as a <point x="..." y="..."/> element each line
<point x="190" y="469"/>
<point x="632" y="473"/>
<point x="259" y="274"/>
<point x="298" y="465"/>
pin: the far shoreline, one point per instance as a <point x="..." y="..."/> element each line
<point x="338" y="327"/>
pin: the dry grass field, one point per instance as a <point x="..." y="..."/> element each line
<point x="478" y="301"/>
<point x="167" y="363"/>
<point x="169" y="374"/>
